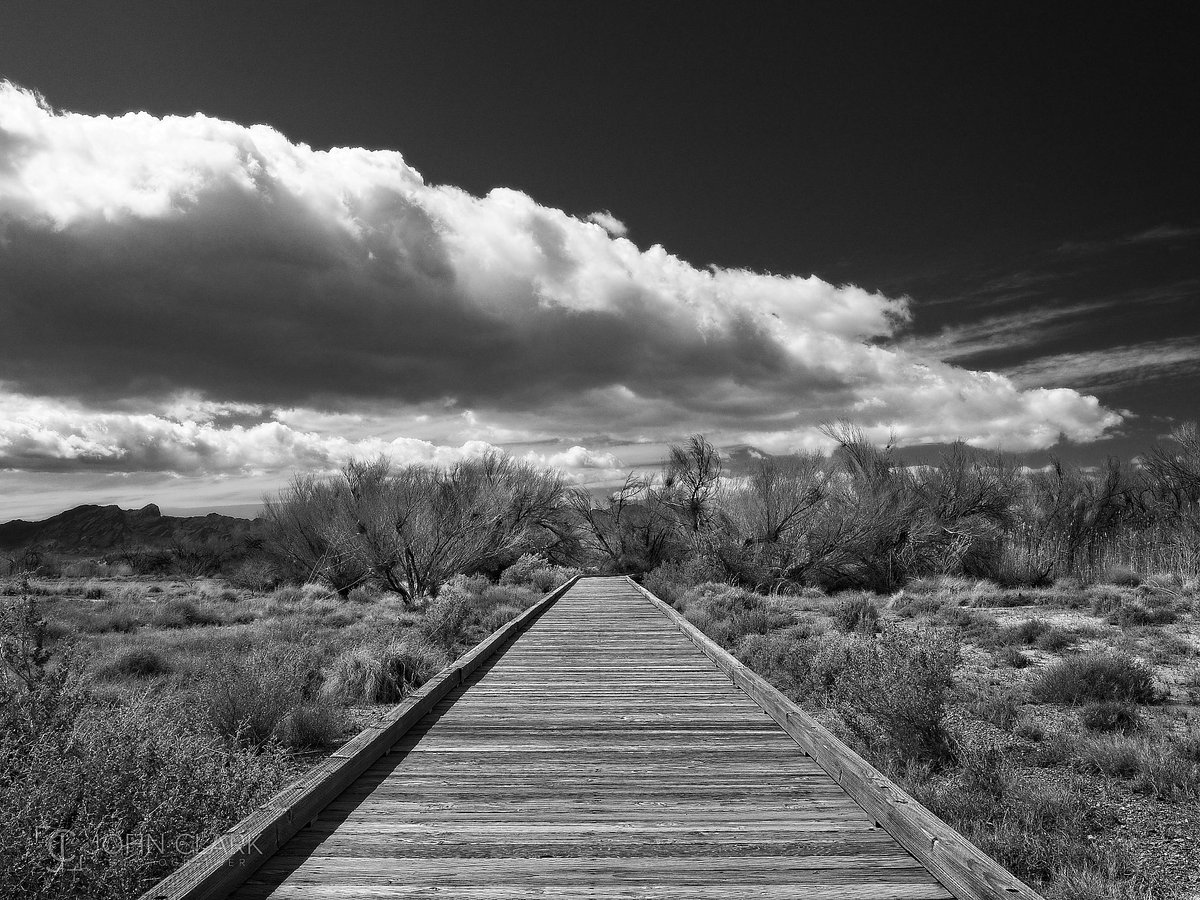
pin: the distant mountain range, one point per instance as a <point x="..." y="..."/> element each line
<point x="102" y="529"/>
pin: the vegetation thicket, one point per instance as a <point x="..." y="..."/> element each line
<point x="1018" y="648"/>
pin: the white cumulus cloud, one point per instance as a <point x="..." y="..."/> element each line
<point x="147" y="259"/>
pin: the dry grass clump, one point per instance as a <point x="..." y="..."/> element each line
<point x="1161" y="768"/>
<point x="534" y="571"/>
<point x="314" y="725"/>
<point x="364" y="593"/>
<point x="286" y="595"/>
<point x="1013" y="658"/>
<point x="248" y="696"/>
<point x="893" y="690"/>
<point x="856" y="612"/>
<point x="1110" y="715"/>
<point x="726" y="614"/>
<point x="1121" y="576"/>
<point x="385" y="672"/>
<point x="446" y="623"/>
<point x="1097" y="676"/>
<point x="131" y="786"/>
<point x="136" y="662"/>
<point x="183" y="613"/>
<point x="1037" y="829"/>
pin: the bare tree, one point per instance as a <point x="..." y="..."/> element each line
<point x="632" y="529"/>
<point x="767" y="518"/>
<point x="413" y="527"/>
<point x="306" y="526"/>
<point x="692" y="480"/>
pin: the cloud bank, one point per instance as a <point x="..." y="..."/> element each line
<point x="145" y="259"/>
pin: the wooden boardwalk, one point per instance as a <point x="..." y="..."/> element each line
<point x="602" y="754"/>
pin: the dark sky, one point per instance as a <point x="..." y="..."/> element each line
<point x="1025" y="172"/>
<point x="875" y="139"/>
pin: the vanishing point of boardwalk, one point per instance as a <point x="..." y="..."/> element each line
<point x="602" y="754"/>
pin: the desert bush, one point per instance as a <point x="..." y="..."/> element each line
<point x="312" y="592"/>
<point x="548" y="578"/>
<point x="82" y="568"/>
<point x="1188" y="747"/>
<point x="1106" y="600"/>
<point x="255" y="574"/>
<point x="1167" y="647"/>
<point x="1120" y="576"/>
<point x="311" y="726"/>
<point x="1134" y="614"/>
<point x="131" y="791"/>
<point x="1025" y="633"/>
<point x="785" y="657"/>
<point x="924" y="587"/>
<point x="385" y="672"/>
<point x="1013" y="657"/>
<point x="407" y="664"/>
<point x="247" y="696"/>
<point x="857" y="613"/>
<point x="1168" y="775"/>
<point x="136" y="662"/>
<point x="1110" y="715"/>
<point x="1028" y="730"/>
<point x="1036" y="829"/>
<point x="1190" y="683"/>
<point x="1055" y="639"/>
<point x="508" y="594"/>
<point x="446" y="623"/>
<point x="973" y="626"/>
<point x="911" y="605"/>
<point x="1096" y="676"/>
<point x="521" y="571"/>
<point x="1055" y="749"/>
<point x="1112" y="755"/>
<point x="1003" y="710"/>
<point x="465" y="586"/>
<point x="129" y="788"/>
<point x="671" y="580"/>
<point x="533" y="570"/>
<point x="364" y="593"/>
<point x="287" y="594"/>
<point x="892" y="691"/>
<point x="495" y="615"/>
<point x="109" y="616"/>
<point x="183" y="613"/>
<point x="727" y="614"/>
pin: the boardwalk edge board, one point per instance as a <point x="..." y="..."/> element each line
<point x="234" y="856"/>
<point x="962" y="868"/>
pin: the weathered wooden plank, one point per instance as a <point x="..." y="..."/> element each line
<point x="229" y="860"/>
<point x="601" y="755"/>
<point x="959" y="865"/>
<point x="877" y="888"/>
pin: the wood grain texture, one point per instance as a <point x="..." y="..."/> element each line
<point x="600" y="755"/>
<point x="225" y="863"/>
<point x="598" y="746"/>
<point x="957" y="863"/>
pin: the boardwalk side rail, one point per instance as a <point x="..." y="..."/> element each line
<point x="233" y="857"/>
<point x="962" y="868"/>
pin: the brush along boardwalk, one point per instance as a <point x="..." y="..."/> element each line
<point x="610" y="750"/>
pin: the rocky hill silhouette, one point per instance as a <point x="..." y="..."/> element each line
<point x="105" y="529"/>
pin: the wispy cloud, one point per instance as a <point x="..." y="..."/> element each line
<point x="1159" y="234"/>
<point x="996" y="334"/>
<point x="1114" y="367"/>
